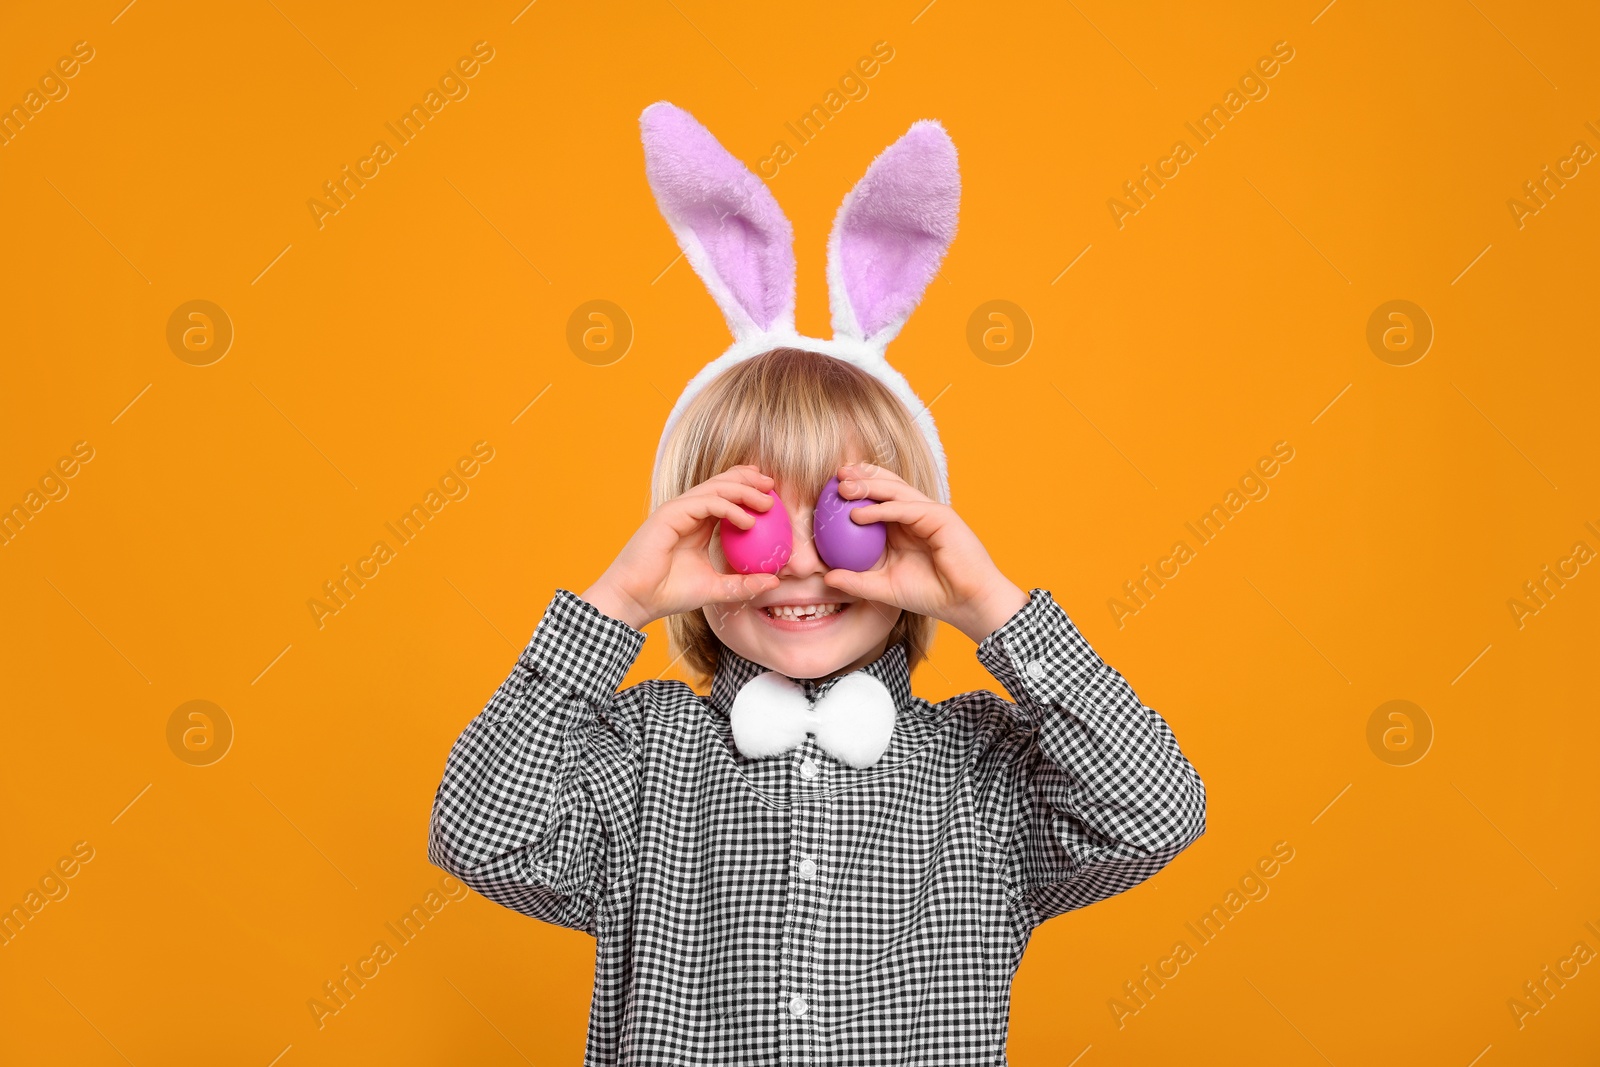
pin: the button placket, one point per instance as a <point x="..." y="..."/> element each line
<point x="808" y="822"/>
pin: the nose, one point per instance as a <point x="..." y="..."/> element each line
<point x="804" y="561"/>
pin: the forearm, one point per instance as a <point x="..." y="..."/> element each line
<point x="1120" y="797"/>
<point x="514" y="816"/>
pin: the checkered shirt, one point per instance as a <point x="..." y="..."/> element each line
<point x="793" y="909"/>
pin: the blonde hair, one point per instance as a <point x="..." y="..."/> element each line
<point x="793" y="413"/>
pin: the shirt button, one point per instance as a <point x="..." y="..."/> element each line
<point x="808" y="770"/>
<point x="798" y="1005"/>
<point x="1035" y="670"/>
<point x="808" y="868"/>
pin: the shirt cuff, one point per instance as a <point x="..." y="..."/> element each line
<point x="1042" y="659"/>
<point x="581" y="649"/>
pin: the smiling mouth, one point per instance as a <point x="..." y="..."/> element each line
<point x="803" y="612"/>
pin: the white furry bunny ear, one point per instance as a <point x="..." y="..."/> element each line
<point x="888" y="239"/>
<point x="891" y="233"/>
<point x="730" y="227"/>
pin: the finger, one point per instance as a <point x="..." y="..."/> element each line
<point x="741" y="493"/>
<point x="737" y="492"/>
<point x="723" y="508"/>
<point x="921" y="517"/>
<point x="867" y="469"/>
<point x="734" y="588"/>
<point x="699" y="507"/>
<point x="855" y="484"/>
<point x="745" y="485"/>
<point x="748" y="473"/>
<point x="864" y="585"/>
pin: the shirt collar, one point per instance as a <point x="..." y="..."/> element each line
<point x="733" y="671"/>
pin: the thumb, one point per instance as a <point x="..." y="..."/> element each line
<point x="865" y="585"/>
<point x="732" y="588"/>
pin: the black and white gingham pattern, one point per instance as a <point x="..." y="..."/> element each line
<point x="794" y="909"/>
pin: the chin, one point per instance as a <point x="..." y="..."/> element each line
<point x="844" y="633"/>
<point x="803" y="662"/>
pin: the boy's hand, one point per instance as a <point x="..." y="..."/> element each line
<point x="665" y="568"/>
<point x="934" y="565"/>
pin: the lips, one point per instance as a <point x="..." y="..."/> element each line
<point x="800" y="617"/>
<point x="803" y="611"/>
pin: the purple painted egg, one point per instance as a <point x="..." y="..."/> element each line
<point x="766" y="546"/>
<point x="842" y="542"/>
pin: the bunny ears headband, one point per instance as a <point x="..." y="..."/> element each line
<point x="888" y="239"/>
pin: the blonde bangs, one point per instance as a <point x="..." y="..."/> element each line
<point x="797" y="415"/>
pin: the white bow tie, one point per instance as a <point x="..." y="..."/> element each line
<point x="852" y="721"/>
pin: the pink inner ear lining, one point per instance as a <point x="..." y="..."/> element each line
<point x="743" y="255"/>
<point x="896" y="224"/>
<point x="880" y="271"/>
<point x="700" y="186"/>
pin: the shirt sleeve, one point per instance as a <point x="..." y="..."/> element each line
<point x="536" y="808"/>
<point x="1086" y="789"/>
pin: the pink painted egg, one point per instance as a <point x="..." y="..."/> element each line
<point x="841" y="541"/>
<point x="766" y="546"/>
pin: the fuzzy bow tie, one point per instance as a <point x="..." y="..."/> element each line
<point x="852" y="721"/>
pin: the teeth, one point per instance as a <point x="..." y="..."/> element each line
<point x="804" y="611"/>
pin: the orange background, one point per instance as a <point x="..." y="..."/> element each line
<point x="1230" y="313"/>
